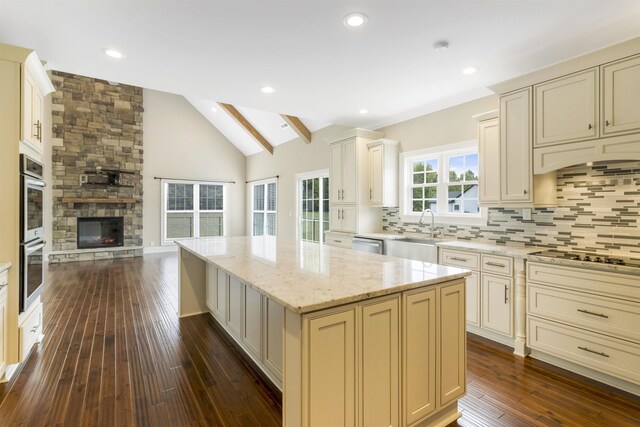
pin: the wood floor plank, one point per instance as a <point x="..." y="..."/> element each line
<point x="116" y="354"/>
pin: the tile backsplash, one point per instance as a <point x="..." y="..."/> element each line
<point x="598" y="211"/>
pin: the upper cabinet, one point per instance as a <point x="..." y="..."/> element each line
<point x="489" y="158"/>
<point x="32" y="109"/>
<point x="566" y="109"/>
<point x="383" y="173"/>
<point x="621" y="97"/>
<point x="515" y="146"/>
<point x="343" y="170"/>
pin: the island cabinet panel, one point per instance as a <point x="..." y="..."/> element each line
<point x="419" y="331"/>
<point x="329" y="370"/>
<point x="220" y="289"/>
<point x="234" y="313"/>
<point x="212" y="286"/>
<point x="453" y="343"/>
<point x="252" y="321"/>
<point x="273" y="337"/>
<point x="379" y="363"/>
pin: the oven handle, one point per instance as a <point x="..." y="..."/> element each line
<point x="31" y="249"/>
<point x="36" y="183"/>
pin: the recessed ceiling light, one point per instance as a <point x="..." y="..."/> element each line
<point x="363" y="111"/>
<point x="355" y="19"/>
<point x="469" y="70"/>
<point x="267" y="89"/>
<point x="214" y="109"/>
<point x="113" y="53"/>
<point x="441" y="47"/>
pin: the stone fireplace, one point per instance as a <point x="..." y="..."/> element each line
<point x="96" y="168"/>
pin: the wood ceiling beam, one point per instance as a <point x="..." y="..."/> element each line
<point x="298" y="127"/>
<point x="247" y="126"/>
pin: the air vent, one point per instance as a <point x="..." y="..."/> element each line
<point x="284" y="125"/>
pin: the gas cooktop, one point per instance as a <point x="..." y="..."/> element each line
<point x="589" y="257"/>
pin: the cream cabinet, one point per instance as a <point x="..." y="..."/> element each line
<point x="343" y="170"/>
<point x="453" y="344"/>
<point x="489" y="162"/>
<point x="329" y="370"/>
<point x="234" y="308"/>
<point x="252" y="320"/>
<point x="343" y="218"/>
<point x="383" y="173"/>
<point x="497" y="306"/>
<point x="4" y="282"/>
<point x="32" y="110"/>
<point x="338" y="239"/>
<point x="566" y="109"/>
<point x="621" y="97"/>
<point x="379" y="361"/>
<point x="30" y="330"/>
<point x="473" y="299"/>
<point x="586" y="317"/>
<point x="273" y="339"/>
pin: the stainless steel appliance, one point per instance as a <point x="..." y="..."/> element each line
<point x="366" y="244"/>
<point x="31" y="230"/>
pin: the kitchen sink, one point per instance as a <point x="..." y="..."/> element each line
<point x="416" y="249"/>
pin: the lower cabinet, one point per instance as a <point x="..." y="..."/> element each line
<point x="252" y="320"/>
<point x="496" y="303"/>
<point x="273" y="337"/>
<point x="472" y="294"/>
<point x="234" y="308"/>
<point x="391" y="361"/>
<point x="217" y="284"/>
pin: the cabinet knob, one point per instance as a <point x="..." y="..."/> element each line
<point x="606" y="122"/>
<point x="526" y="192"/>
<point x="590" y="126"/>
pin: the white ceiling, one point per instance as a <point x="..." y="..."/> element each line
<point x="226" y="50"/>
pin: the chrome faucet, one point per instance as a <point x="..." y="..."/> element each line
<point x="433" y="220"/>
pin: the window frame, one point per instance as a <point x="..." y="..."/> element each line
<point x="265" y="211"/>
<point x="442" y="153"/>
<point x="321" y="174"/>
<point x="164" y="188"/>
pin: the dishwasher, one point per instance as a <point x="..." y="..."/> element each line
<point x="366" y="244"/>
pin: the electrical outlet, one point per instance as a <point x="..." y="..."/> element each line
<point x="84" y="179"/>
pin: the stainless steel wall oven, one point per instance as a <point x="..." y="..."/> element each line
<point x="31" y="230"/>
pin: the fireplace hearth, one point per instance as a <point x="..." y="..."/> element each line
<point x="100" y="232"/>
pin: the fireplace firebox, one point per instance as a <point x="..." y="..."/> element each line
<point x="100" y="232"/>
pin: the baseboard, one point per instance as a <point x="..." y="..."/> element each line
<point x="159" y="249"/>
<point x="490" y="335"/>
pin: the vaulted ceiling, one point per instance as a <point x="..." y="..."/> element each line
<point x="322" y="71"/>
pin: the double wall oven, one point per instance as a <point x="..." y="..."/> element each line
<point x="31" y="230"/>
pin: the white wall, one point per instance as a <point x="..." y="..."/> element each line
<point x="180" y="143"/>
<point x="289" y="159"/>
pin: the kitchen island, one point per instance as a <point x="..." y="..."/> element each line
<point x="351" y="338"/>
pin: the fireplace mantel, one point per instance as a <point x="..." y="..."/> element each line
<point x="75" y="200"/>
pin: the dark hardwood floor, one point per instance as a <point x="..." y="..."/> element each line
<point x="115" y="354"/>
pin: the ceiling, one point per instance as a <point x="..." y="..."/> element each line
<point x="322" y="71"/>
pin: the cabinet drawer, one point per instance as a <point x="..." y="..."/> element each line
<point x="599" y="314"/>
<point x="609" y="355"/>
<point x="604" y="283"/>
<point x="460" y="259"/>
<point x="30" y="331"/>
<point x="497" y="264"/>
<point x="341" y="242"/>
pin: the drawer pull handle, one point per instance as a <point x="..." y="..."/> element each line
<point x="582" y="310"/>
<point x="338" y="241"/>
<point x="495" y="264"/>
<point x="459" y="259"/>
<point x="506" y="298"/>
<point x="599" y="353"/>
<point x="35" y="328"/>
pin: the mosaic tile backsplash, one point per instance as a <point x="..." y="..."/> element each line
<point x="598" y="211"/>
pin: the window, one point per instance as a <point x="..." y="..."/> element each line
<point x="445" y="180"/>
<point x="263" y="213"/>
<point x="191" y="209"/>
<point x="313" y="206"/>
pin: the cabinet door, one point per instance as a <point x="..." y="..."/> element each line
<point x="453" y="341"/>
<point x="252" y="321"/>
<point x="350" y="171"/>
<point x="329" y="371"/>
<point x="489" y="167"/>
<point x="567" y="109"/>
<point x="273" y="337"/>
<point x="376" y="184"/>
<point x="379" y="364"/>
<point x="349" y="219"/>
<point x="335" y="218"/>
<point x="38" y="115"/>
<point x="418" y="354"/>
<point x="496" y="303"/>
<point x="212" y="287"/>
<point x="472" y="293"/>
<point x="620" y="97"/>
<point x="515" y="146"/>
<point x="29" y="88"/>
<point x="234" y="315"/>
<point x="3" y="330"/>
<point x="336" y="163"/>
<point x="220" y="299"/>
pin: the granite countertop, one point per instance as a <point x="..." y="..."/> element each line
<point x="4" y="266"/>
<point x="306" y="277"/>
<point x="586" y="264"/>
